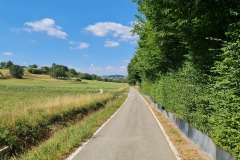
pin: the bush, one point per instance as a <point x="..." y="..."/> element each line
<point x="37" y="71"/>
<point x="225" y="98"/>
<point x="16" y="71"/>
<point x="78" y="80"/>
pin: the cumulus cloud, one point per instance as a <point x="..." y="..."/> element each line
<point x="48" y="26"/>
<point x="77" y="45"/>
<point x="111" y="44"/>
<point x="122" y="68"/>
<point x="104" y="70"/>
<point x="7" y="53"/>
<point x="109" y="67"/>
<point x="111" y="28"/>
<point x="83" y="45"/>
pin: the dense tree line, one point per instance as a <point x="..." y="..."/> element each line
<point x="188" y="60"/>
<point x="55" y="71"/>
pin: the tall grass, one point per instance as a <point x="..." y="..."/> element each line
<point x="65" y="140"/>
<point x="30" y="108"/>
<point x="33" y="111"/>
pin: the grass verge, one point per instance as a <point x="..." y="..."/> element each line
<point x="187" y="149"/>
<point x="65" y="140"/>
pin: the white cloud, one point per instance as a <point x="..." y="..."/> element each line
<point x="104" y="70"/>
<point x="109" y="67"/>
<point x="76" y="45"/>
<point x="7" y="53"/>
<point x="48" y="26"/>
<point x="122" y="68"/>
<point x="71" y="42"/>
<point x="126" y="60"/>
<point x="111" y="44"/>
<point x="83" y="45"/>
<point x="110" y="28"/>
<point x="16" y="30"/>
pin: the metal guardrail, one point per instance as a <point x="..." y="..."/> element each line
<point x="198" y="137"/>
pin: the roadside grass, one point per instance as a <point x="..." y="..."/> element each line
<point x="187" y="149"/>
<point x="31" y="109"/>
<point x="33" y="112"/>
<point x="65" y="140"/>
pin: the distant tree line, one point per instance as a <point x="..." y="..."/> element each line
<point x="55" y="71"/>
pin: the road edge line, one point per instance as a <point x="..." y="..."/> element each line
<point x="173" y="148"/>
<point x="98" y="130"/>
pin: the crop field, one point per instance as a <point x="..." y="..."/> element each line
<point x="30" y="107"/>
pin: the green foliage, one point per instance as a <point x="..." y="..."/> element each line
<point x="37" y="71"/>
<point x="9" y="64"/>
<point x="3" y="65"/>
<point x="58" y="71"/>
<point x="172" y="32"/>
<point x="226" y="95"/>
<point x="72" y="73"/>
<point x="180" y="94"/>
<point x="45" y="69"/>
<point x="33" y="66"/>
<point x="16" y="71"/>
<point x="179" y="62"/>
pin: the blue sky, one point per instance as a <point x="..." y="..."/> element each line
<point x="90" y="36"/>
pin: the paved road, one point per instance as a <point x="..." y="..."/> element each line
<point x="132" y="134"/>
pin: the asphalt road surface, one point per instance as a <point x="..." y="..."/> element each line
<point x="132" y="134"/>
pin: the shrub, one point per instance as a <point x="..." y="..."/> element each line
<point x="16" y="71"/>
<point x="78" y="79"/>
<point x="225" y="97"/>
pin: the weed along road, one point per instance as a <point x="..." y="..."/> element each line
<point x="131" y="134"/>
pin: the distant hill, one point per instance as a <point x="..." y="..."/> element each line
<point x="114" y="76"/>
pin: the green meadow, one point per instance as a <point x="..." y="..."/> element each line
<point x="32" y="108"/>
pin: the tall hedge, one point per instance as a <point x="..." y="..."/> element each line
<point x="188" y="60"/>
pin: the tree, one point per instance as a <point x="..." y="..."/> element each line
<point x="33" y="66"/>
<point x="99" y="78"/>
<point x="45" y="69"/>
<point x="3" y="65"/>
<point x="16" y="71"/>
<point x="58" y="71"/>
<point x="72" y="72"/>
<point x="9" y="64"/>
<point x="172" y="32"/>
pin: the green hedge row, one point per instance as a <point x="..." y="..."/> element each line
<point x="196" y="103"/>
